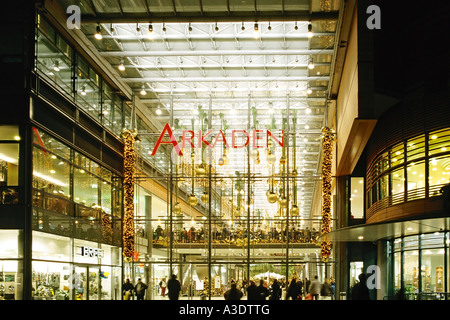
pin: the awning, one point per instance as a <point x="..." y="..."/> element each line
<point x="387" y="230"/>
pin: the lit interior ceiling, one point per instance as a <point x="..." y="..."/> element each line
<point x="186" y="53"/>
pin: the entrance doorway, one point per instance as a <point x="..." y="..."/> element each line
<point x="86" y="283"/>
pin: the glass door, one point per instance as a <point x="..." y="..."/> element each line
<point x="79" y="283"/>
<point x="94" y="284"/>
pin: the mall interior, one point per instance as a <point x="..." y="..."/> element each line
<point x="223" y="141"/>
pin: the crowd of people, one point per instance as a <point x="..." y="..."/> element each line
<point x="228" y="234"/>
<point x="295" y="289"/>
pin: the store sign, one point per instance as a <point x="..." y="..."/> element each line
<point x="91" y="252"/>
<point x="257" y="139"/>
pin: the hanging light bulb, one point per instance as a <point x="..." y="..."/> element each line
<point x="311" y="64"/>
<point x="216" y="28"/>
<point x="150" y="28"/>
<point x="158" y="111"/>
<point x="121" y="66"/>
<point x="309" y="90"/>
<point x="56" y="66"/>
<point x="243" y="27"/>
<point x="143" y="92"/>
<point x="98" y="34"/>
<point x="310" y="33"/>
<point x="83" y="91"/>
<point x="256" y="27"/>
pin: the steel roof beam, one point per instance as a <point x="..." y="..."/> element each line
<point x="215" y="52"/>
<point x="179" y="17"/>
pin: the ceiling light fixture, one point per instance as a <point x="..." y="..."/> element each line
<point x="296" y="26"/>
<point x="121" y="66"/>
<point x="269" y="27"/>
<point x="255" y="27"/>
<point x="150" y="28"/>
<point x="83" y="91"/>
<point x="311" y="64"/>
<point x="164" y="29"/>
<point x="216" y="28"/>
<point x="310" y="33"/>
<point x="243" y="27"/>
<point x="143" y="92"/>
<point x="158" y="110"/>
<point x="56" y="66"/>
<point x="98" y="34"/>
<point x="190" y="27"/>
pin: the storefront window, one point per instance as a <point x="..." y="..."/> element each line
<point x="11" y="287"/>
<point x="421" y="273"/>
<point x="357" y="197"/>
<point x="52" y="281"/>
<point x="9" y="244"/>
<point x="411" y="271"/>
<point x="9" y="164"/>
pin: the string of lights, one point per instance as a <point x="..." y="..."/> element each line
<point x="327" y="142"/>
<point x="128" y="188"/>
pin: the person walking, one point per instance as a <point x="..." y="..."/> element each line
<point x="276" y="290"/>
<point x="333" y="288"/>
<point x="261" y="291"/>
<point x="307" y="285"/>
<point x="127" y="290"/>
<point x="360" y="291"/>
<point x="233" y="293"/>
<point x="251" y="291"/>
<point x="163" y="285"/>
<point x="314" y="288"/>
<point x="325" y="291"/>
<point x="292" y="290"/>
<point x="140" y="289"/>
<point x="174" y="287"/>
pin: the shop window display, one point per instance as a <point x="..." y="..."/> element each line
<point x="419" y="267"/>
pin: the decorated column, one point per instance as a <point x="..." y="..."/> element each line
<point x="128" y="188"/>
<point x="327" y="146"/>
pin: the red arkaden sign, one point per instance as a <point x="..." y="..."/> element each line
<point x="189" y="136"/>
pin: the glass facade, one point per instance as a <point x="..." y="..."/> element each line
<point x="416" y="168"/>
<point x="234" y="205"/>
<point x="73" y="195"/>
<point x="58" y="62"/>
<point x="420" y="269"/>
<point x="77" y="212"/>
